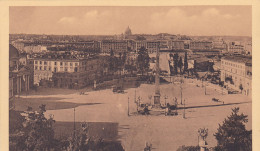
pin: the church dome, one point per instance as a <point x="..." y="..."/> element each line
<point x="128" y="31"/>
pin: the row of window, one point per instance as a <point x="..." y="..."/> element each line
<point x="232" y="64"/>
<point x="61" y="63"/>
<point x="55" y="69"/>
<point x="234" y="71"/>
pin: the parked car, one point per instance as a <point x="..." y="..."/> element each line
<point x="215" y="100"/>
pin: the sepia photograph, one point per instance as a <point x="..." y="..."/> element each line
<point x="130" y="78"/>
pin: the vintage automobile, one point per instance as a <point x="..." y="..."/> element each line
<point x="171" y="110"/>
<point x="215" y="100"/>
<point x="118" y="89"/>
<point x="144" y="110"/>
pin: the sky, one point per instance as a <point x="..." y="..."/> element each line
<point x="88" y="20"/>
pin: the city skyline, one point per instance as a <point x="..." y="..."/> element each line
<point x="184" y="20"/>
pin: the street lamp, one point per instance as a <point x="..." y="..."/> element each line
<point x="205" y="88"/>
<point x="74" y="127"/>
<point x="184" y="110"/>
<point x="165" y="97"/>
<point x="128" y="108"/>
<point x="182" y="81"/>
<point x="181" y="94"/>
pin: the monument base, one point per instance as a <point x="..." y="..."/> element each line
<point x="157" y="102"/>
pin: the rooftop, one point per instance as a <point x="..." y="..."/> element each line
<point x="13" y="52"/>
<point x="241" y="59"/>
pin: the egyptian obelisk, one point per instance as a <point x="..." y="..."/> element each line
<point x="157" y="102"/>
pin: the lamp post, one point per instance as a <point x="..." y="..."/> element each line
<point x="181" y="94"/>
<point x="184" y="110"/>
<point x="135" y="95"/>
<point x="128" y="108"/>
<point x="165" y="97"/>
<point x="205" y="88"/>
<point x="181" y="88"/>
<point x="74" y="127"/>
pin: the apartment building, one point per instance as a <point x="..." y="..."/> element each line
<point x="67" y="70"/>
<point x="201" y="45"/>
<point x="236" y="73"/>
<point x="117" y="46"/>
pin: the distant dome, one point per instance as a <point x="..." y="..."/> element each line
<point x="128" y="31"/>
<point x="13" y="52"/>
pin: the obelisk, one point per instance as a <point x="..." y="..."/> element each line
<point x="157" y="102"/>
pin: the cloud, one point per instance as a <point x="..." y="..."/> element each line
<point x="227" y="16"/>
<point x="174" y="20"/>
<point x="206" y="22"/>
<point x="67" y="20"/>
<point x="211" y="12"/>
<point x="93" y="13"/>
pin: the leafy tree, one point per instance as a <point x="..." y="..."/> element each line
<point x="232" y="134"/>
<point x="37" y="133"/>
<point x="241" y="87"/>
<point x="112" y="62"/>
<point x="185" y="63"/>
<point x="195" y="66"/>
<point x="124" y="58"/>
<point x="143" y="60"/>
<point x="188" y="148"/>
<point x="180" y="64"/>
<point x="111" y="53"/>
<point x="80" y="141"/>
<point x="175" y="61"/>
<point x="83" y="142"/>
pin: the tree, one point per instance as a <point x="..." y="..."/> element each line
<point x="241" y="87"/>
<point x="180" y="64"/>
<point x="185" y="63"/>
<point x="188" y="148"/>
<point x="80" y="141"/>
<point x="84" y="142"/>
<point x="124" y="58"/>
<point x="111" y="53"/>
<point x="112" y="62"/>
<point x="195" y="66"/>
<point x="175" y="61"/>
<point x="232" y="134"/>
<point x="37" y="133"/>
<point x="143" y="60"/>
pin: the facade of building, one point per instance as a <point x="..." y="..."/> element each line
<point x="248" y="48"/>
<point x="139" y="44"/>
<point x="89" y="46"/>
<point x="19" y="75"/>
<point x="176" y="45"/>
<point x="68" y="71"/>
<point x="236" y="73"/>
<point x="219" y="44"/>
<point x="201" y="45"/>
<point x="206" y="52"/>
<point x="45" y="66"/>
<point x="152" y="46"/>
<point x="117" y="46"/>
<point x="236" y="48"/>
